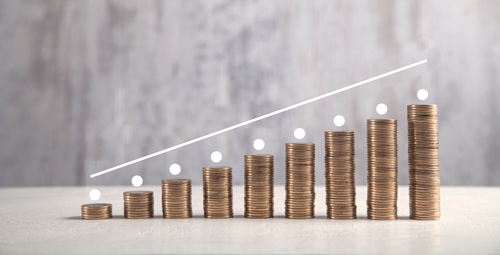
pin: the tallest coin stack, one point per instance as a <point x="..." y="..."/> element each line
<point x="423" y="157"/>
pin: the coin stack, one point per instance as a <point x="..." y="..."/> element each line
<point x="423" y="155"/>
<point x="339" y="175"/>
<point x="138" y="204"/>
<point x="259" y="186"/>
<point x="218" y="192"/>
<point x="382" y="169"/>
<point x="300" y="178"/>
<point x="96" y="211"/>
<point x="176" y="198"/>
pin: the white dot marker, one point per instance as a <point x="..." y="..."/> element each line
<point x="175" y="169"/>
<point x="216" y="156"/>
<point x="137" y="180"/>
<point x="259" y="144"/>
<point x="299" y="133"/>
<point x="381" y="109"/>
<point x="422" y="94"/>
<point x="95" y="194"/>
<point x="339" y="120"/>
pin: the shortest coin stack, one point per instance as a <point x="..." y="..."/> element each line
<point x="138" y="204"/>
<point x="96" y="211"/>
<point x="176" y="198"/>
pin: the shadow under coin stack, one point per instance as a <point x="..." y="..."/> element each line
<point x="138" y="204"/>
<point x="176" y="198"/>
<point x="339" y="175"/>
<point x="259" y="186"/>
<point x="423" y="159"/>
<point x="96" y="211"/>
<point x="218" y="192"/>
<point x="382" y="198"/>
<point x="300" y="179"/>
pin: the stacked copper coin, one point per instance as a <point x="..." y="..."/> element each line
<point x="259" y="186"/>
<point x="382" y="169"/>
<point x="339" y="175"/>
<point x="300" y="179"/>
<point x="176" y="198"/>
<point x="218" y="192"/>
<point x="96" y="211"/>
<point x="138" y="204"/>
<point x="423" y="155"/>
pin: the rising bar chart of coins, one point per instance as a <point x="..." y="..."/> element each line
<point x="300" y="173"/>
<point x="249" y="127"/>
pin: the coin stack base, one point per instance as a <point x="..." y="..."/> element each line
<point x="382" y="169"/>
<point x="176" y="198"/>
<point x="300" y="180"/>
<point x="217" y="192"/>
<point x="138" y="204"/>
<point x="96" y="211"/>
<point x="259" y="186"/>
<point x="339" y="175"/>
<point x="423" y="155"/>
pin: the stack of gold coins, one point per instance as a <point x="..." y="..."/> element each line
<point x="382" y="169"/>
<point x="300" y="179"/>
<point x="218" y="192"/>
<point x="423" y="155"/>
<point x="259" y="186"/>
<point x="339" y="175"/>
<point x="96" y="211"/>
<point x="138" y="204"/>
<point x="176" y="198"/>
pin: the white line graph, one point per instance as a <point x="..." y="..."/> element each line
<point x="259" y="118"/>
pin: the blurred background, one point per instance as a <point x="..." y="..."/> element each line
<point x="87" y="85"/>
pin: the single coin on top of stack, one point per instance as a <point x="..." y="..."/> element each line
<point x="138" y="204"/>
<point x="96" y="211"/>
<point x="218" y="192"/>
<point x="382" y="198"/>
<point x="339" y="175"/>
<point x="300" y="180"/>
<point x="423" y="155"/>
<point x="176" y="198"/>
<point x="259" y="186"/>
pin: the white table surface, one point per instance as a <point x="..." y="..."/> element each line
<point x="47" y="221"/>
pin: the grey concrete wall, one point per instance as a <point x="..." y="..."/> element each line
<point x="86" y="85"/>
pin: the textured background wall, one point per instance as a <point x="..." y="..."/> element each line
<point x="86" y="85"/>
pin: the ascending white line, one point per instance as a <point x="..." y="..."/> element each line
<point x="259" y="118"/>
